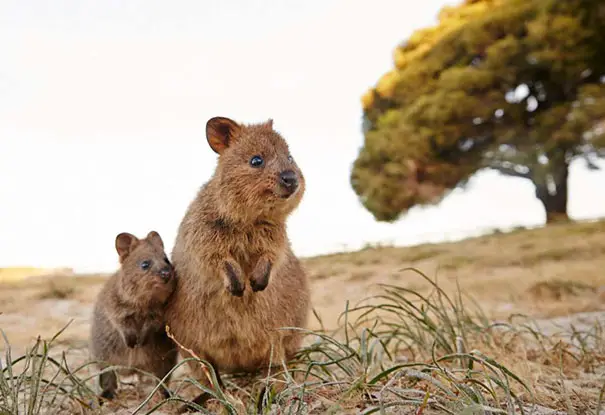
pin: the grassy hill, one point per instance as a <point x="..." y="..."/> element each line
<point x="540" y="272"/>
<point x="410" y="336"/>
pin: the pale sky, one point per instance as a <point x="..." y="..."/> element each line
<point x="103" y="106"/>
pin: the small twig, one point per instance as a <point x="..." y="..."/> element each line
<point x="203" y="365"/>
<point x="192" y="353"/>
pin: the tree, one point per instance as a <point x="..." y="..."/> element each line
<point x="512" y="85"/>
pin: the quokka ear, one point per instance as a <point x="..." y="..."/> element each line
<point x="221" y="132"/>
<point x="125" y="243"/>
<point x="155" y="239"/>
<point x="269" y="123"/>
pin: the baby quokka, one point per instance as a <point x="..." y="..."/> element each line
<point x="128" y="319"/>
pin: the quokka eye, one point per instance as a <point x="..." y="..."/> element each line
<point x="145" y="265"/>
<point x="290" y="159"/>
<point x="256" y="161"/>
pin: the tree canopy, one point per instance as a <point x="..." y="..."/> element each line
<point x="512" y="85"/>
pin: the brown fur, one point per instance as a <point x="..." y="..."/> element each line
<point x="238" y="279"/>
<point x="128" y="319"/>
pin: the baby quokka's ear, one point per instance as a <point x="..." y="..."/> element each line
<point x="221" y="132"/>
<point x="125" y="243"/>
<point x="155" y="239"/>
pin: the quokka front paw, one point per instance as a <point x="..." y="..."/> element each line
<point x="234" y="282"/>
<point x="260" y="275"/>
<point x="108" y="395"/>
<point x="131" y="339"/>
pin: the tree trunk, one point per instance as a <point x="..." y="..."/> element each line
<point x="551" y="190"/>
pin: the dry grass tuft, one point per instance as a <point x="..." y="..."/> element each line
<point x="555" y="290"/>
<point x="57" y="289"/>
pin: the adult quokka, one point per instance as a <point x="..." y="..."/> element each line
<point x="239" y="281"/>
<point x="128" y="326"/>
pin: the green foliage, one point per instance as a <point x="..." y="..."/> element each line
<point x="513" y="85"/>
<point x="36" y="383"/>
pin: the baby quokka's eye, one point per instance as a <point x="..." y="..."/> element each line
<point x="257" y="161"/>
<point x="145" y="265"/>
<point x="290" y="159"/>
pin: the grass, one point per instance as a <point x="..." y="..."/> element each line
<point x="36" y="383"/>
<point x="401" y="351"/>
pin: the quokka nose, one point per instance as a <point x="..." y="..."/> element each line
<point x="288" y="180"/>
<point x="166" y="273"/>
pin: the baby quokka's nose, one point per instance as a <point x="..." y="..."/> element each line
<point x="288" y="180"/>
<point x="166" y="273"/>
